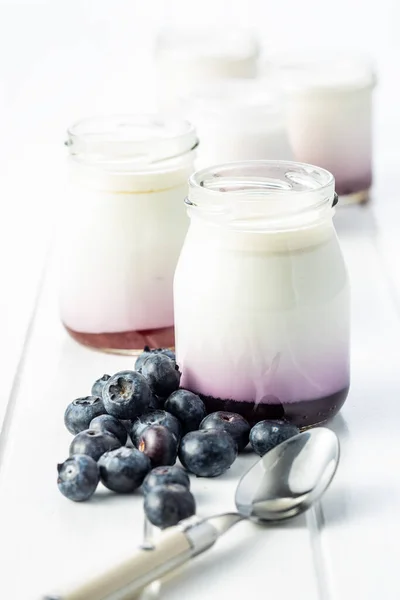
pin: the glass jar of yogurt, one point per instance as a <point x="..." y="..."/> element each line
<point x="123" y="229"/>
<point x="237" y="120"/>
<point x="188" y="59"/>
<point x="329" y="115"/>
<point x="261" y="293"/>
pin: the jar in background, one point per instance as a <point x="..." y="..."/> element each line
<point x="124" y="228"/>
<point x="187" y="59"/>
<point x="237" y="120"/>
<point x="329" y="116"/>
<point x="261" y="293"/>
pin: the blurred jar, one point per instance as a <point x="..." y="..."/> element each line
<point x="237" y="120"/>
<point x="124" y="228"/>
<point x="188" y="59"/>
<point x="329" y="115"/>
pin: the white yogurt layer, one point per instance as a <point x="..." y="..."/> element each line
<point x="119" y="252"/>
<point x="259" y="315"/>
<point x="329" y="114"/>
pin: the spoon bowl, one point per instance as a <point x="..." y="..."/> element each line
<point x="289" y="478"/>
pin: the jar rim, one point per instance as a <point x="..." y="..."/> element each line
<point x="130" y="141"/>
<point x="301" y="70"/>
<point x="317" y="178"/>
<point x="264" y="190"/>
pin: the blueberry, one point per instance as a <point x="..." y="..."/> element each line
<point x="265" y="435"/>
<point x="166" y="505"/>
<point x="159" y="444"/>
<point x="111" y="425"/>
<point x="167" y="351"/>
<point x="232" y="423"/>
<point x="207" y="453"/>
<point x="93" y="443"/>
<point x="187" y="407"/>
<point x="156" y="403"/>
<point x="142" y="357"/>
<point x="123" y="470"/>
<point x="157" y="417"/>
<point x="147" y="352"/>
<point x="78" y="477"/>
<point x="164" y="476"/>
<point x="81" y="411"/>
<point x="97" y="387"/>
<point x="126" y="395"/>
<point x="162" y="374"/>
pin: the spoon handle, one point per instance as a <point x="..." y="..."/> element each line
<point x="174" y="547"/>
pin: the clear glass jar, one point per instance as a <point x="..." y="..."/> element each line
<point x="329" y="115"/>
<point x="186" y="59"/>
<point x="123" y="229"/>
<point x="261" y="293"/>
<point x="238" y="120"/>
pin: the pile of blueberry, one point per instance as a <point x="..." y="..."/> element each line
<point x="135" y="424"/>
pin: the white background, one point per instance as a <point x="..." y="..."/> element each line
<point x="60" y="61"/>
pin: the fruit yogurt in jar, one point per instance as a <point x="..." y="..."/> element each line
<point x="329" y="115"/>
<point x="188" y="59"/>
<point x="123" y="229"/>
<point x="236" y="120"/>
<point x="261" y="293"/>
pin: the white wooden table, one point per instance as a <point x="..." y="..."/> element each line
<point x="348" y="548"/>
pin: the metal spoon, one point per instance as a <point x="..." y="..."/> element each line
<point x="282" y="484"/>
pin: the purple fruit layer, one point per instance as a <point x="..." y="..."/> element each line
<point x="265" y="386"/>
<point x="303" y="413"/>
<point x="345" y="186"/>
<point x="126" y="340"/>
